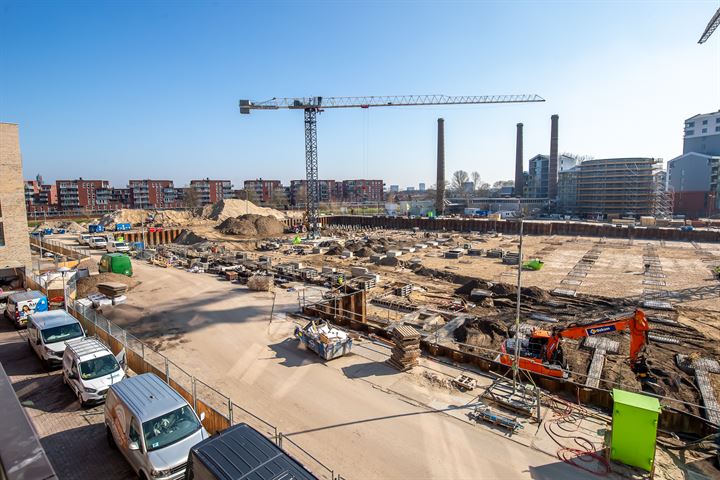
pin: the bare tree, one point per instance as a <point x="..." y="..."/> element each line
<point x="458" y="179"/>
<point x="279" y="198"/>
<point x="190" y="198"/>
<point x="475" y="178"/>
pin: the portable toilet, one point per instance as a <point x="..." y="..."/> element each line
<point x="634" y="429"/>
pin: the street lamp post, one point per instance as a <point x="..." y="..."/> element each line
<point x="63" y="271"/>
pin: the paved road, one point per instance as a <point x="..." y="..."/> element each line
<point x="73" y="437"/>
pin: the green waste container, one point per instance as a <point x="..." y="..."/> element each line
<point x="634" y="429"/>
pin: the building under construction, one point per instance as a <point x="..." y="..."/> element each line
<point x="616" y="187"/>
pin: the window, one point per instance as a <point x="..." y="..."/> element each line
<point x="704" y="122"/>
<point x="2" y="235"/>
<point x="717" y="120"/>
<point x="704" y="130"/>
<point x="690" y="124"/>
<point x="689" y="132"/>
<point x="717" y="129"/>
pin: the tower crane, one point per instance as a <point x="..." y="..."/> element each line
<point x="712" y="25"/>
<point x="314" y="105"/>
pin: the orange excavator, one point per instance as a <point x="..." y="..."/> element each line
<point x="542" y="352"/>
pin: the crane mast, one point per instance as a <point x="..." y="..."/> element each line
<point x="314" y="105"/>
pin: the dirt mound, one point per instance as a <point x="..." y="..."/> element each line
<point x="481" y="331"/>
<point x="364" y="252"/>
<point x="251" y="226"/>
<point x="188" y="237"/>
<point x="88" y="285"/>
<point x="234" y="208"/>
<point x="389" y="262"/>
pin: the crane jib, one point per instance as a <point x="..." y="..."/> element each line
<point x="600" y="330"/>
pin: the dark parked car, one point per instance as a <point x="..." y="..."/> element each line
<point x="242" y="453"/>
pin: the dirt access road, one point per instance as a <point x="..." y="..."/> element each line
<point x="221" y="333"/>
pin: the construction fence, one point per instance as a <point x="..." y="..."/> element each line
<point x="220" y="410"/>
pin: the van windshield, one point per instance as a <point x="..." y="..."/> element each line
<point x="62" y="333"/>
<point x="98" y="367"/>
<point x="170" y="428"/>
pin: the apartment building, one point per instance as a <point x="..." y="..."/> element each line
<point x="264" y="191"/>
<point x="81" y="194"/>
<point x="362" y="190"/>
<point x="330" y="191"/>
<point x="153" y="194"/>
<point x="693" y="184"/>
<point x="538" y="174"/>
<point x="211" y="191"/>
<point x="702" y="134"/>
<point x="14" y="240"/>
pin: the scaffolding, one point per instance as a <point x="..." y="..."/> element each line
<point x="622" y="187"/>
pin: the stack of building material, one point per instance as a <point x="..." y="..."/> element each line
<point x="495" y="253"/>
<point x="112" y="289"/>
<point x="406" y="351"/>
<point x="261" y="283"/>
<point x="403" y="290"/>
<point x="511" y="258"/>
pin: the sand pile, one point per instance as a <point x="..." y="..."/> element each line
<point x="174" y="217"/>
<point x="233" y="208"/>
<point x="134" y="217"/>
<point x="88" y="285"/>
<point x="252" y="226"/>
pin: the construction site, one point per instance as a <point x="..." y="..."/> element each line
<point x="408" y="339"/>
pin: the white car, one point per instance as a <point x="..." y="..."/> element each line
<point x="84" y="238"/>
<point x="116" y="246"/>
<point x="98" y="242"/>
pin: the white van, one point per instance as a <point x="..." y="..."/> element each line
<point x="48" y="332"/>
<point x="152" y="425"/>
<point x="89" y="368"/>
<point x="22" y="304"/>
<point x="97" y="242"/>
<point x="84" y="239"/>
<point x="117" y="246"/>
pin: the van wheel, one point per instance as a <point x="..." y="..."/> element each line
<point x="110" y="439"/>
<point x="142" y="476"/>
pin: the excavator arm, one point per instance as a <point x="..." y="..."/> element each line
<point x="637" y="324"/>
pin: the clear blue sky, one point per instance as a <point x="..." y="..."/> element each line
<point x="120" y="90"/>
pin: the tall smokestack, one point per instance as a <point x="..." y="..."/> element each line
<point x="553" y="167"/>
<point x="519" y="180"/>
<point x="440" y="193"/>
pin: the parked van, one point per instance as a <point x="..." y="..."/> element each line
<point x="241" y="452"/>
<point x="116" y="263"/>
<point x="117" y="246"/>
<point x="84" y="238"/>
<point x="152" y="425"/>
<point x="48" y="332"/>
<point x="98" y="242"/>
<point x="21" y="304"/>
<point x="89" y="368"/>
